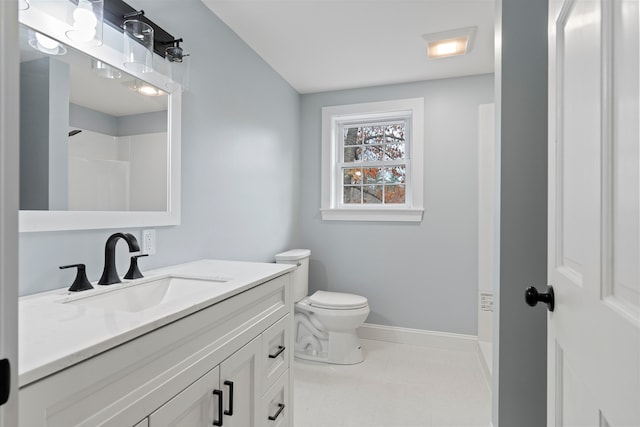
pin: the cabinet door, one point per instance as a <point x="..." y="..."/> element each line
<point x="197" y="405"/>
<point x="241" y="382"/>
<point x="143" y="423"/>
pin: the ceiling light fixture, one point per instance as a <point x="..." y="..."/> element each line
<point x="144" y="88"/>
<point x="450" y="43"/>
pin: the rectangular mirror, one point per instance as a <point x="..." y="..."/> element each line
<point x="99" y="147"/>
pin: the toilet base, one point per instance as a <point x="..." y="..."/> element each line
<point x="343" y="348"/>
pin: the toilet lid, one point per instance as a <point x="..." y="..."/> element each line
<point x="336" y="300"/>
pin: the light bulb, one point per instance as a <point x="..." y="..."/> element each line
<point x="46" y="42"/>
<point x="83" y="34"/>
<point x="83" y="16"/>
<point x="447" y="48"/>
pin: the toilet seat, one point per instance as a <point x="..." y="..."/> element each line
<point x="337" y="301"/>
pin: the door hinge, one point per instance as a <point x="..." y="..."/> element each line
<point x="5" y="380"/>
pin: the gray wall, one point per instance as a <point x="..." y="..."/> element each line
<point x="107" y="124"/>
<point x="415" y="275"/>
<point x="44" y="86"/>
<point x="519" y="381"/>
<point x="240" y="162"/>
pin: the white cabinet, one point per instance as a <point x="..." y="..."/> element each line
<point x="240" y="378"/>
<point x="197" y="405"/>
<point x="168" y="376"/>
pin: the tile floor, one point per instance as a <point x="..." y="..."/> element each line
<point x="397" y="385"/>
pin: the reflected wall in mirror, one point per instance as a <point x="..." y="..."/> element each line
<point x="93" y="138"/>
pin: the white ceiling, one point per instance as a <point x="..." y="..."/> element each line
<point x="321" y="45"/>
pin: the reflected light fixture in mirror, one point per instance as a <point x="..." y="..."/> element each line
<point x="104" y="70"/>
<point x="86" y="19"/>
<point x="138" y="44"/>
<point x="144" y="88"/>
<point x="45" y="44"/>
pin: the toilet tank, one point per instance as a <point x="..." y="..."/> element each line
<point x="300" y="276"/>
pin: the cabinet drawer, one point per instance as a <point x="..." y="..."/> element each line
<point x="275" y="351"/>
<point x="276" y="411"/>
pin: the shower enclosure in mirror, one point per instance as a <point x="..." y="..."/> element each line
<point x="92" y="138"/>
<point x="99" y="146"/>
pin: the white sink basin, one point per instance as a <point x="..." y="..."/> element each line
<point x="141" y="296"/>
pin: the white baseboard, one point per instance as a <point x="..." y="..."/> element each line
<point x="418" y="337"/>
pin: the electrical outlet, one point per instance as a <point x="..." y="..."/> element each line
<point x="149" y="241"/>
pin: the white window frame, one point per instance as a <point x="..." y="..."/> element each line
<point x="333" y="120"/>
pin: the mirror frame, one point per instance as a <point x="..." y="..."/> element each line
<point x="49" y="19"/>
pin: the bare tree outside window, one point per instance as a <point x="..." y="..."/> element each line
<point x="374" y="164"/>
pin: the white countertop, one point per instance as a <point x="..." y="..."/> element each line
<point x="54" y="335"/>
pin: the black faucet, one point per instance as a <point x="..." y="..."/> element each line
<point x="110" y="274"/>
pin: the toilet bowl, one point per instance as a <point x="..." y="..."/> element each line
<point x="324" y="323"/>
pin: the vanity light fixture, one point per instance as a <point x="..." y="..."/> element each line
<point x="174" y="53"/>
<point x="86" y="19"/>
<point x="138" y="43"/>
<point x="450" y="43"/>
<point x="177" y="64"/>
<point x="45" y="44"/>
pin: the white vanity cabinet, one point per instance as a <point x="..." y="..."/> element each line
<point x="174" y="375"/>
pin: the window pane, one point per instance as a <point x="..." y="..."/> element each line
<point x="372" y="175"/>
<point x="373" y="134"/>
<point x="351" y="195"/>
<point x="394" y="194"/>
<point x="395" y="132"/>
<point x="372" y="194"/>
<point x="352" y="176"/>
<point x="352" y="136"/>
<point x="394" y="175"/>
<point x="352" y="154"/>
<point x="394" y="151"/>
<point x="373" y="153"/>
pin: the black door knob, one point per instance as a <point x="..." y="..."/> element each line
<point x="532" y="297"/>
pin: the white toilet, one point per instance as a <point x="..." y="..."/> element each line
<point x="325" y="322"/>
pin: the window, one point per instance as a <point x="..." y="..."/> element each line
<point x="372" y="161"/>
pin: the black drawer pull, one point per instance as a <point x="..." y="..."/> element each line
<point x="277" y="414"/>
<point x="219" y="394"/>
<point x="230" y="411"/>
<point x="281" y="348"/>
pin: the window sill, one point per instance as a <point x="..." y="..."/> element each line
<point x="398" y="215"/>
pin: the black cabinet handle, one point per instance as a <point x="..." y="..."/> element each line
<point x="5" y="380"/>
<point x="281" y="348"/>
<point x="230" y="385"/>
<point x="219" y="394"/>
<point x="532" y="297"/>
<point x="277" y="414"/>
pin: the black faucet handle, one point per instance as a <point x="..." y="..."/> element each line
<point x="134" y="271"/>
<point x="81" y="283"/>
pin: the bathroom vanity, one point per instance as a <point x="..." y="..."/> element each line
<point x="203" y="343"/>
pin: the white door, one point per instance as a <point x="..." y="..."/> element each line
<point x="241" y="381"/>
<point x="594" y="187"/>
<point x="9" y="160"/>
